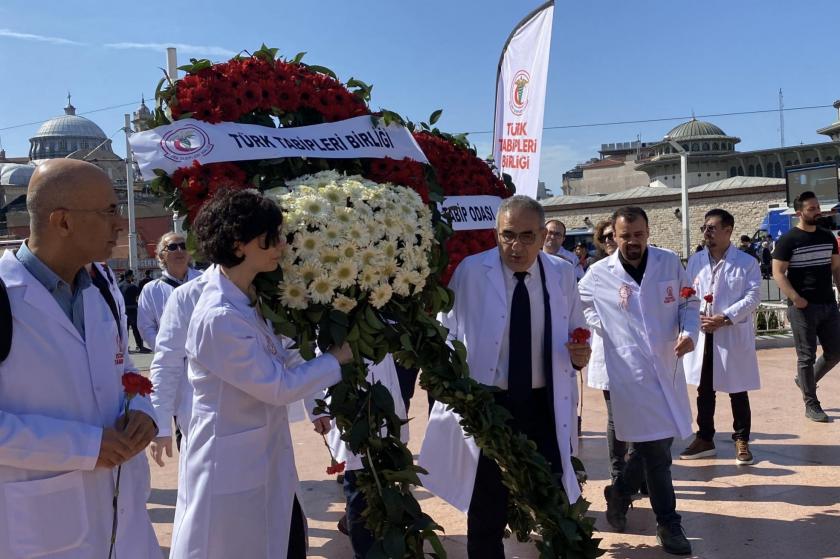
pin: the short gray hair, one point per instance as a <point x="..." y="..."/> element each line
<point x="520" y="202"/>
<point x="161" y="246"/>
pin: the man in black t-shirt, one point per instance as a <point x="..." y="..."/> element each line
<point x="804" y="261"/>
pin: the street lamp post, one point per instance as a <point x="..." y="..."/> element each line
<point x="684" y="184"/>
<point x="129" y="186"/>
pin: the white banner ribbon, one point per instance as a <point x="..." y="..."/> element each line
<point x="469" y="213"/>
<point x="179" y="144"/>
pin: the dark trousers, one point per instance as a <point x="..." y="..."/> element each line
<point x="297" y="534"/>
<point x="814" y="321"/>
<point x="740" y="401"/>
<point x="360" y="537"/>
<point x="632" y="467"/>
<point x="408" y="380"/>
<point x="487" y="514"/>
<point x="178" y="434"/>
<point x="656" y="461"/>
<point x="131" y="317"/>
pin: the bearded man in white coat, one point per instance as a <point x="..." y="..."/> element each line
<point x="633" y="300"/>
<point x="729" y="282"/>
<point x="62" y="427"/>
<point x="514" y="309"/>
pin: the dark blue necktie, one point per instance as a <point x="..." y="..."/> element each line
<point x="519" y="358"/>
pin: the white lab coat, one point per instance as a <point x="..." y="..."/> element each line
<point x="150" y="305"/>
<point x="478" y="319"/>
<point x="385" y="373"/>
<point x="596" y="370"/>
<point x="238" y="481"/>
<point x="737" y="293"/>
<point x="647" y="384"/>
<point x="57" y="393"/>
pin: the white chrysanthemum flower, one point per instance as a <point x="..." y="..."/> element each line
<point x="357" y="233"/>
<point x="306" y="244"/>
<point x="380" y="295"/>
<point x="329" y="255"/>
<point x="345" y="216"/>
<point x="349" y="251"/>
<point x="322" y="289"/>
<point x="388" y="249"/>
<point x="369" y="257"/>
<point x="314" y="206"/>
<point x="416" y="279"/>
<point x="308" y="270"/>
<point x="333" y="235"/>
<point x="402" y="283"/>
<point x="343" y="304"/>
<point x="293" y="295"/>
<point x="369" y="278"/>
<point x="344" y="273"/>
<point x="388" y="268"/>
<point x="334" y="195"/>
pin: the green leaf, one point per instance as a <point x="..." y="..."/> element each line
<point x="298" y="57"/>
<point x="435" y="116"/>
<point x="322" y="70"/>
<point x="394" y="541"/>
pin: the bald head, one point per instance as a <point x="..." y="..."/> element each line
<point x="61" y="183"/>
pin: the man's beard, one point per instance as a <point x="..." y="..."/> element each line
<point x="633" y="252"/>
<point x="810" y="221"/>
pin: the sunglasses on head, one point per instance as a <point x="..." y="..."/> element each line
<point x="607" y="237"/>
<point x="172" y="247"/>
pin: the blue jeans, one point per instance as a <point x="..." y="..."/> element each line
<point x="360" y="537"/>
<point x="814" y="321"/>
<point x="656" y="461"/>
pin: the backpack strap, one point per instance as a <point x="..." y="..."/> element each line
<point x="170" y="281"/>
<point x="5" y="323"/>
<point x="101" y="284"/>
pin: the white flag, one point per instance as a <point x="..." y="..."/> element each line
<point x="520" y="99"/>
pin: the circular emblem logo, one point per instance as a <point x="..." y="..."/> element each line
<point x="186" y="143"/>
<point x="519" y="92"/>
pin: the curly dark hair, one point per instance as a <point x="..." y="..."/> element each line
<point x="235" y="215"/>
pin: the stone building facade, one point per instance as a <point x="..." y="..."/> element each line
<point x="747" y="198"/>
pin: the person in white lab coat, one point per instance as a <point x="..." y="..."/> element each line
<point x="633" y="300"/>
<point x="61" y="397"/>
<point x="514" y="309"/>
<point x="726" y="361"/>
<point x="174" y="261"/>
<point x="237" y="495"/>
<point x="596" y="377"/>
<point x="553" y="245"/>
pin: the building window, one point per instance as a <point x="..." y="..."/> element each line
<point x="751" y="171"/>
<point x="705" y="146"/>
<point x="758" y="171"/>
<point x="733" y="172"/>
<point x="714" y="146"/>
<point x="740" y="171"/>
<point x="708" y="174"/>
<point x="808" y="160"/>
<point x="778" y="169"/>
<point x="695" y="147"/>
<point x="685" y="147"/>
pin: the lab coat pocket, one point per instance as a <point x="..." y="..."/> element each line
<point x="46" y="516"/>
<point x="634" y="365"/>
<point x="241" y="461"/>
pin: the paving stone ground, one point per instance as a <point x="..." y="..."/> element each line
<point x="787" y="505"/>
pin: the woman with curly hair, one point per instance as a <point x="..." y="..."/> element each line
<point x="236" y="496"/>
<point x="604" y="239"/>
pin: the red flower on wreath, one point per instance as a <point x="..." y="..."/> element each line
<point x="198" y="183"/>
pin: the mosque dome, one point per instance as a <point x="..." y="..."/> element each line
<point x="15" y="174"/>
<point x="65" y="134"/>
<point x="695" y="129"/>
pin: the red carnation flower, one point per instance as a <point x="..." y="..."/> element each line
<point x="687" y="292"/>
<point x="708" y="298"/>
<point x="134" y="384"/>
<point x="580" y="336"/>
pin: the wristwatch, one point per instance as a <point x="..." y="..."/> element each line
<point x="727" y="321"/>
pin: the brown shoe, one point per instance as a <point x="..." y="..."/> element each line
<point x="743" y="456"/>
<point x="698" y="449"/>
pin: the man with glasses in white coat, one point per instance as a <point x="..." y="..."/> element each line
<point x="728" y="281"/>
<point x="634" y="301"/>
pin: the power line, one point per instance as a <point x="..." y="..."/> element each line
<point x="112" y="107"/>
<point x="665" y="119"/>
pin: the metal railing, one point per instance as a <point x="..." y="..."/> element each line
<point x="771" y="318"/>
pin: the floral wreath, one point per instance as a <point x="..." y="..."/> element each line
<point x="265" y="90"/>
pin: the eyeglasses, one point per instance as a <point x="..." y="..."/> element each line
<point x="172" y="247"/>
<point x="606" y="237"/>
<point x="708" y="228"/>
<point x="113" y="211"/>
<point x="526" y="237"/>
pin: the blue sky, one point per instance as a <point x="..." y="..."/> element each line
<point x="610" y="61"/>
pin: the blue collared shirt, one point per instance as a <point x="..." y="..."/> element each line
<point x="69" y="300"/>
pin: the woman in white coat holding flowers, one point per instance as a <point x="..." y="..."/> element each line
<point x="238" y="495"/>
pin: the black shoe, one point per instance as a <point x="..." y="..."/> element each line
<point x="796" y="382"/>
<point x="144" y="350"/>
<point x="673" y="540"/>
<point x="342" y="525"/>
<point x="617" y="506"/>
<point x="815" y="413"/>
<point x="643" y="490"/>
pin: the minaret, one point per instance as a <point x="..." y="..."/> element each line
<point x="141" y="116"/>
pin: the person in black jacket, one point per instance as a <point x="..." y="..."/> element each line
<point x="130" y="292"/>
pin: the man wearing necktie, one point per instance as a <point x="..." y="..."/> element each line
<point x="514" y="309"/>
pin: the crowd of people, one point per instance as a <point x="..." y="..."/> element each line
<point x="230" y="386"/>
